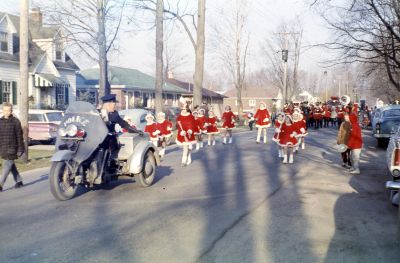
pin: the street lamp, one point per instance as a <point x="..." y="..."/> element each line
<point x="285" y="56"/>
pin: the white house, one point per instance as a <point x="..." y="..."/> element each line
<point x="52" y="73"/>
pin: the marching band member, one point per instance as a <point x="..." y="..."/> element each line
<point x="263" y="121"/>
<point x="318" y="116"/>
<point x="152" y="129"/>
<point x="280" y="119"/>
<point x="200" y="121"/>
<point x="212" y="129"/>
<point x="186" y="125"/>
<point x="165" y="128"/>
<point x="228" y="119"/>
<point x="287" y="139"/>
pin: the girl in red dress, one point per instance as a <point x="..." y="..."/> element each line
<point x="280" y="118"/>
<point x="300" y="127"/>
<point x="287" y="139"/>
<point x="186" y="125"/>
<point x="212" y="129"/>
<point x="263" y="121"/>
<point x="200" y="123"/>
<point x="165" y="128"/>
<point x="228" y="119"/>
<point x="152" y="129"/>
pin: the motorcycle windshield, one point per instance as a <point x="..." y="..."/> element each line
<point x="86" y="117"/>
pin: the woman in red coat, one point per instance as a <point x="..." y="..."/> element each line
<point x="212" y="129"/>
<point x="228" y="119"/>
<point x="186" y="125"/>
<point x="263" y="121"/>
<point x="165" y="128"/>
<point x="355" y="143"/>
<point x="287" y="139"/>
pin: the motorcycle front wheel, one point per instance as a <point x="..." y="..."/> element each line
<point x="62" y="186"/>
<point x="146" y="177"/>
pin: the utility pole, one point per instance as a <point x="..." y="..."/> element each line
<point x="326" y="85"/>
<point x="285" y="57"/>
<point x="23" y="72"/>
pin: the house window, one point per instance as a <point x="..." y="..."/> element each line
<point x="3" y="42"/>
<point x="6" y="91"/>
<point x="59" y="50"/>
<point x="60" y="93"/>
<point x="252" y="103"/>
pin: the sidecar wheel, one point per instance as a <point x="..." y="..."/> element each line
<point x="146" y="177"/>
<point x="61" y="185"/>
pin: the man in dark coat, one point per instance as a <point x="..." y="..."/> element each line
<point x="11" y="145"/>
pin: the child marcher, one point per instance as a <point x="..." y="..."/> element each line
<point x="228" y="119"/>
<point x="287" y="139"/>
<point x="212" y="129"/>
<point x="343" y="138"/>
<point x="200" y="123"/>
<point x="165" y="128"/>
<point x="263" y="122"/>
<point x="186" y="125"/>
<point x="152" y="129"/>
<point x="280" y="119"/>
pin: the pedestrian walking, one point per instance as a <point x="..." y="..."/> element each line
<point x="263" y="122"/>
<point x="165" y="127"/>
<point x="11" y="145"/>
<point x="343" y="139"/>
<point x="355" y="141"/>
<point x="186" y="125"/>
<point x="280" y="119"/>
<point x="152" y="129"/>
<point x="287" y="139"/>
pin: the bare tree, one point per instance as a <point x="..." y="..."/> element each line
<point x="231" y="43"/>
<point x="92" y="26"/>
<point x="367" y="32"/>
<point x="159" y="55"/>
<point x="195" y="30"/>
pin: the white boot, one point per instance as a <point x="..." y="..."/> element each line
<point x="213" y="143"/>
<point x="265" y="140"/>
<point x="201" y="144"/>
<point x="224" y="140"/>
<point x="303" y="145"/>
<point x="184" y="159"/>
<point x="291" y="158"/>
<point x="285" y="158"/>
<point x="197" y="146"/>
<point x="189" y="159"/>
<point x="230" y="139"/>
<point x="162" y="153"/>
<point x="280" y="154"/>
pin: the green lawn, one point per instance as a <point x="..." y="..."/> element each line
<point x="37" y="159"/>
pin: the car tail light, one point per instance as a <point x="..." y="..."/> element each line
<point x="80" y="133"/>
<point x="396" y="160"/>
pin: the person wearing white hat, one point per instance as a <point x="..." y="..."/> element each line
<point x="165" y="128"/>
<point x="212" y="129"/>
<point x="152" y="129"/>
<point x="287" y="139"/>
<point x="263" y="121"/>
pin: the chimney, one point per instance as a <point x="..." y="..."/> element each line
<point x="36" y="16"/>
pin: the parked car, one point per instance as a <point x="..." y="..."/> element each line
<point x="137" y="116"/>
<point x="43" y="124"/>
<point x="393" y="164"/>
<point x="385" y="122"/>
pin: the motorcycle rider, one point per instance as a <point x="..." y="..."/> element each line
<point x="111" y="117"/>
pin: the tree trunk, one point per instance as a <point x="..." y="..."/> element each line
<point x="104" y="88"/>
<point x="159" y="55"/>
<point x="199" y="69"/>
<point x="24" y="75"/>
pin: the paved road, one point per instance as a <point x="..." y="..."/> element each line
<point x="235" y="203"/>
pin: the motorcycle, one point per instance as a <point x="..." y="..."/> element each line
<point x="83" y="157"/>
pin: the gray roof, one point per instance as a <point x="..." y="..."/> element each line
<point x="130" y="78"/>
<point x="35" y="52"/>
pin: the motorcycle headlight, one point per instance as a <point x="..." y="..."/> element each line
<point x="62" y="132"/>
<point x="71" y="130"/>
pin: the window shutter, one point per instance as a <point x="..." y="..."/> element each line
<point x="57" y="102"/>
<point x="14" y="93"/>
<point x="1" y="92"/>
<point x="66" y="95"/>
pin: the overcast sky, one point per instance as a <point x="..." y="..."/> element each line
<point x="137" y="47"/>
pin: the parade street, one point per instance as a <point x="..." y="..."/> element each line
<point x="234" y="203"/>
